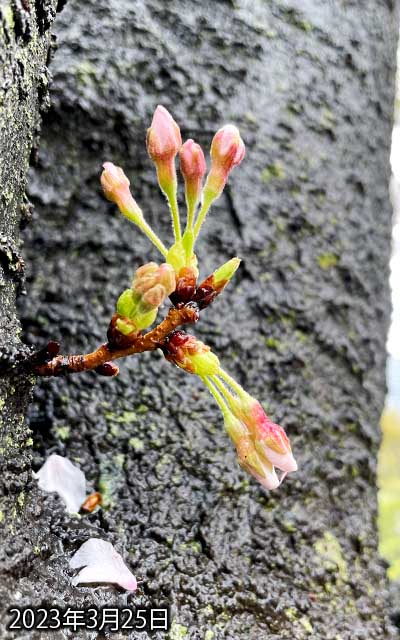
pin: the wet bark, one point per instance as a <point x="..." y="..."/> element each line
<point x="311" y="86"/>
<point x="25" y="48"/>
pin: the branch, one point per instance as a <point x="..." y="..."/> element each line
<point x="106" y="352"/>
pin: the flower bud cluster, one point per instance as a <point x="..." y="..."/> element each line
<point x="138" y="306"/>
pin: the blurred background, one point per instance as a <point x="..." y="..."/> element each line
<point x="389" y="468"/>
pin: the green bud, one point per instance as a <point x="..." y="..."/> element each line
<point x="226" y="271"/>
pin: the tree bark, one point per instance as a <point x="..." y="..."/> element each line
<point x="311" y="87"/>
<point x="25" y="47"/>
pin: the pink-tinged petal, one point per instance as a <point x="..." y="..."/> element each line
<point x="268" y="479"/>
<point x="252" y="462"/>
<point x="283" y="461"/>
<point x="59" y="475"/>
<point x="269" y="438"/>
<point x="101" y="564"/>
<point x="114" y="181"/>
<point x="164" y="136"/>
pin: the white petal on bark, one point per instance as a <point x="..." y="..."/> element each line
<point x="101" y="563"/>
<point x="60" y="475"/>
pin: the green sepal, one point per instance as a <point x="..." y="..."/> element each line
<point x="205" y="364"/>
<point x="125" y="326"/>
<point x="126" y="304"/>
<point x="146" y="319"/>
<point x="176" y="256"/>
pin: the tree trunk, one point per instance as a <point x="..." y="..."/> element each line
<point x="311" y="86"/>
<point x="25" y="47"/>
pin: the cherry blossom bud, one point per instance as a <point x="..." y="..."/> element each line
<point x="270" y="439"/>
<point x="190" y="354"/>
<point x="163" y="143"/>
<point x="227" y="151"/>
<point x="248" y="457"/>
<point x="152" y="276"/>
<point x="115" y="185"/>
<point x="193" y="168"/>
<point x="255" y="464"/>
<point x="137" y="307"/>
<point x="163" y="137"/>
<point x="186" y="280"/>
<point x="215" y="283"/>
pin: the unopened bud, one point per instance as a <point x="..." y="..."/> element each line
<point x="193" y="168"/>
<point x="190" y="354"/>
<point x="185" y="285"/>
<point x="269" y="438"/>
<point x="115" y="185"/>
<point x="138" y="306"/>
<point x="227" y="151"/>
<point x="163" y="143"/>
<point x="163" y="137"/>
<point x="108" y="369"/>
<point x="152" y="275"/>
<point x="223" y="274"/>
<point x="215" y="283"/>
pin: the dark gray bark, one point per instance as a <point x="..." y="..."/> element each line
<point x="25" y="44"/>
<point x="310" y="84"/>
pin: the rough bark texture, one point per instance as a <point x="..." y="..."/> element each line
<point x="25" y="46"/>
<point x="310" y="84"/>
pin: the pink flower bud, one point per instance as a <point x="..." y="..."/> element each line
<point x="269" y="438"/>
<point x="163" y="143"/>
<point x="193" y="164"/>
<point x="227" y="151"/>
<point x="150" y="276"/>
<point x="115" y="185"/>
<point x="163" y="137"/>
<point x="154" y="297"/>
<point x="137" y="307"/>
<point x="193" y="168"/>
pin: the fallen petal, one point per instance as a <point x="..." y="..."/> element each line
<point x="101" y="563"/>
<point x="60" y="475"/>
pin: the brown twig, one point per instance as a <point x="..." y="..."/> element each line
<point x="105" y="353"/>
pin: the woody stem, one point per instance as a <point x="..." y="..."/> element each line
<point x="140" y="343"/>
